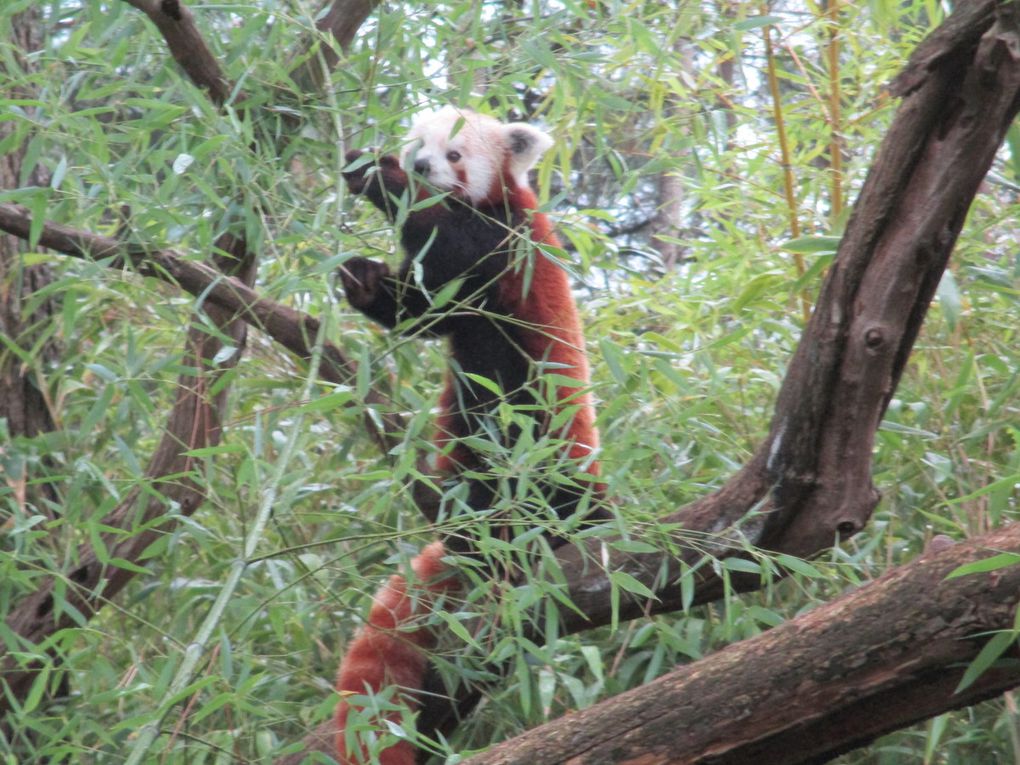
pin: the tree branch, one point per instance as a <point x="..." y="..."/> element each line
<point x="176" y="23"/>
<point x="293" y="329"/>
<point x="809" y="482"/>
<point x="826" y="682"/>
<point x="189" y="49"/>
<point x="193" y="422"/>
<point x="341" y="22"/>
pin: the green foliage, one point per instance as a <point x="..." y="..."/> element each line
<point x="686" y="360"/>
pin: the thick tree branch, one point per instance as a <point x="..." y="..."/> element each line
<point x="177" y="25"/>
<point x="341" y="23"/>
<point x="810" y="482"/>
<point x="896" y="247"/>
<point x="294" y="330"/>
<point x="883" y="657"/>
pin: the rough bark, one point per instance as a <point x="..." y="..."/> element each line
<point x="809" y="482"/>
<point x="896" y="247"/>
<point x="23" y="404"/>
<point x="885" y="656"/>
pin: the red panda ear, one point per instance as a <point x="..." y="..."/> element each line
<point x="526" y="145"/>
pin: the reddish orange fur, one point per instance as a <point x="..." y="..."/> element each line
<point x="553" y="327"/>
<point x="386" y="652"/>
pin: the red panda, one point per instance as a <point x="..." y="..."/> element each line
<point x="512" y="318"/>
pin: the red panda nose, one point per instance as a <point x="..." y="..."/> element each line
<point x="421" y="166"/>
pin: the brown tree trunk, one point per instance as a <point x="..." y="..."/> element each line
<point x="23" y="403"/>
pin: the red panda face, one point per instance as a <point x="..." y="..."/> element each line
<point x="472" y="155"/>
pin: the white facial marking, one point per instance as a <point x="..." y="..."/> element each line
<point x="465" y="152"/>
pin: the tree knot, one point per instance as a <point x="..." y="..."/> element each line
<point x="874" y="338"/>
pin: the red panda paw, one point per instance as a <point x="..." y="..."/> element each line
<point x="355" y="178"/>
<point x="387" y="165"/>
<point x="361" y="278"/>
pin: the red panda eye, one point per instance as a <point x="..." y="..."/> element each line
<point x="453" y="156"/>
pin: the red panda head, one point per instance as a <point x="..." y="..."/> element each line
<point x="472" y="155"/>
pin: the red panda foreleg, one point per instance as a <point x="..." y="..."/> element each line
<point x="385" y="181"/>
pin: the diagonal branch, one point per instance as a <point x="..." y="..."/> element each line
<point x="293" y="329"/>
<point x="191" y="52"/>
<point x="340" y="22"/>
<point x="175" y="21"/>
<point x="809" y="482"/>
